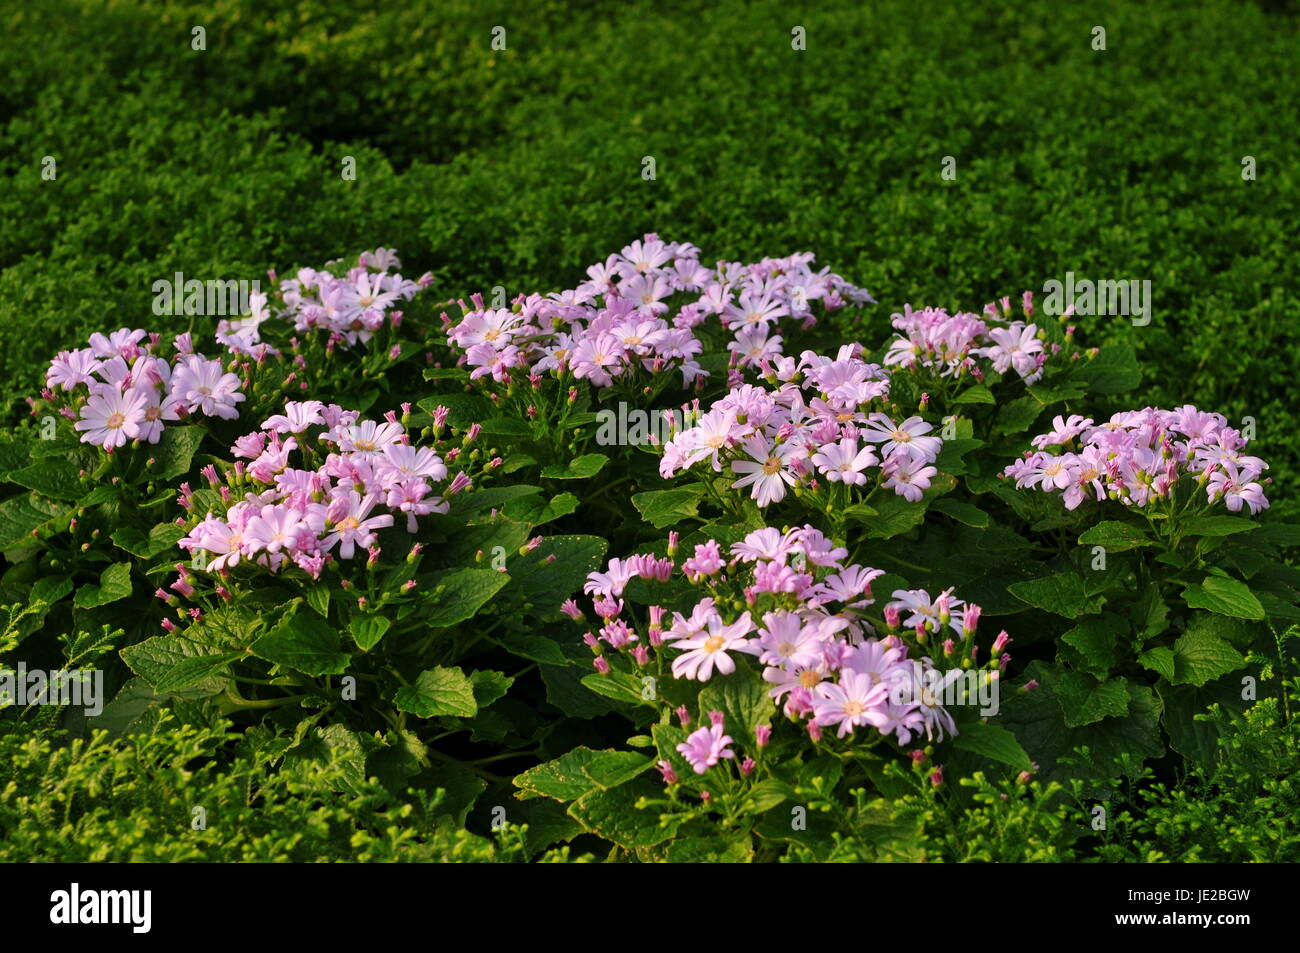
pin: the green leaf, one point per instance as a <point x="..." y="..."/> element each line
<point x="993" y="742"/>
<point x="1092" y="642"/>
<point x="1195" y="739"/>
<point x="1037" y="720"/>
<point x="1200" y="657"/>
<point x="1115" y="537"/>
<point x="445" y="374"/>
<point x="438" y="691"/>
<point x="303" y="642"/>
<point x="1062" y="594"/>
<point x="458" y="594"/>
<point x="464" y="410"/>
<point x="975" y="394"/>
<point x="173" y="664"/>
<point x="535" y="511"/>
<point x="175" y="452"/>
<point x="21" y="515"/>
<point x="114" y="584"/>
<point x="743" y="699"/>
<point x="951" y="454"/>
<point x="1150" y="614"/>
<point x="547" y="584"/>
<point x="53" y="478"/>
<point x="581" y="770"/>
<point x="961" y="512"/>
<point x="1114" y="370"/>
<point x="1225" y="596"/>
<point x="489" y="686"/>
<point x="664" y="508"/>
<point x="620" y="686"/>
<point x="1085" y="700"/>
<point x="161" y="538"/>
<point x="613" y="814"/>
<point x="587" y="465"/>
<point x="50" y="589"/>
<point x="1217" y="525"/>
<point x="1017" y="415"/>
<point x="1159" y="660"/>
<point x="367" y="630"/>
<point x="506" y="427"/>
<point x="318" y="597"/>
<point x="475" y="501"/>
<point x="535" y="648"/>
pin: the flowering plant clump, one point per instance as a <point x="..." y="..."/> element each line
<point x="639" y="312"/>
<point x="818" y="426"/>
<point x="783" y="620"/>
<point x="118" y="389"/>
<point x="357" y="476"/>
<point x="1138" y="458"/>
<point x="965" y="344"/>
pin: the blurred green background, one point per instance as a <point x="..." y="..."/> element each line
<point x="521" y="167"/>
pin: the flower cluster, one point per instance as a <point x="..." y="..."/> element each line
<point x="817" y="418"/>
<point x="1139" y="456"/>
<point x="352" y="307"/>
<point x="950" y="345"/>
<point x="789" y="600"/>
<point x="130" y="392"/>
<point x="639" y="310"/>
<point x="359" y="475"/>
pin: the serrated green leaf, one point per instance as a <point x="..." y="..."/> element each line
<point x="1225" y="596"/>
<point x="1062" y="594"/>
<point x="114" y="584"/>
<point x="1115" y="537"/>
<point x="993" y="742"/>
<point x="304" y="642"/>
<point x="664" y="508"/>
<point x="1085" y="700"/>
<point x="438" y="691"/>
<point x="587" y="465"/>
<point x="1200" y="657"/>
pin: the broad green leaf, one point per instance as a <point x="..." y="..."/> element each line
<point x="961" y="512"/>
<point x="1093" y="641"/>
<point x="545" y="582"/>
<point x="458" y="594"/>
<point x="22" y="514"/>
<point x="1085" y="700"/>
<point x="489" y="686"/>
<point x="1200" y="657"/>
<point x="114" y="584"/>
<point x="619" y="686"/>
<point x="506" y="427"/>
<point x="613" y="814"/>
<point x="587" y="465"/>
<point x="53" y="478"/>
<point x="1116" y="537"/>
<point x="1062" y="594"/>
<point x="665" y="508"/>
<point x="1017" y="415"/>
<point x="1114" y="370"/>
<point x="993" y="742"/>
<point x="50" y="589"/>
<point x="535" y="511"/>
<point x="1217" y="525"/>
<point x="743" y="699"/>
<point x="575" y="773"/>
<point x="1159" y="660"/>
<point x="1195" y="739"/>
<point x="494" y="497"/>
<point x="975" y="394"/>
<point x="1225" y="596"/>
<point x="367" y="630"/>
<point x="161" y="538"/>
<point x="175" y="451"/>
<point x="303" y="642"/>
<point x="173" y="663"/>
<point x="438" y="691"/>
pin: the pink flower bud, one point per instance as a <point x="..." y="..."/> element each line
<point x="762" y="735"/>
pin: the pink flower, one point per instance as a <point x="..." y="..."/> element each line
<point x="855" y="701"/>
<point x="353" y="526"/>
<point x="708" y="650"/>
<point x="110" y="417"/>
<point x="844" y="461"/>
<point x="202" y="386"/>
<point x="704" y="747"/>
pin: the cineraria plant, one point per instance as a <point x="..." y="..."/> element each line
<point x="650" y="321"/>
<point x="855" y="683"/>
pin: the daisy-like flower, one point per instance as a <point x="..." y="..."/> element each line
<point x="704" y="747"/>
<point x="206" y="388"/>
<point x="1063" y="430"/>
<point x="110" y="417"/>
<point x="907" y="437"/>
<point x="844" y="461"/>
<point x="709" y="649"/>
<point x="787" y="641"/>
<point x="765" y="543"/>
<point x="851" y="703"/>
<point x="1015" y="347"/>
<point x="71" y="368"/>
<point x="768" y="472"/>
<point x="611" y="582"/>
<point x="353" y="526"/>
<point x="907" y="476"/>
<point x="402" y="463"/>
<point x="297" y="417"/>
